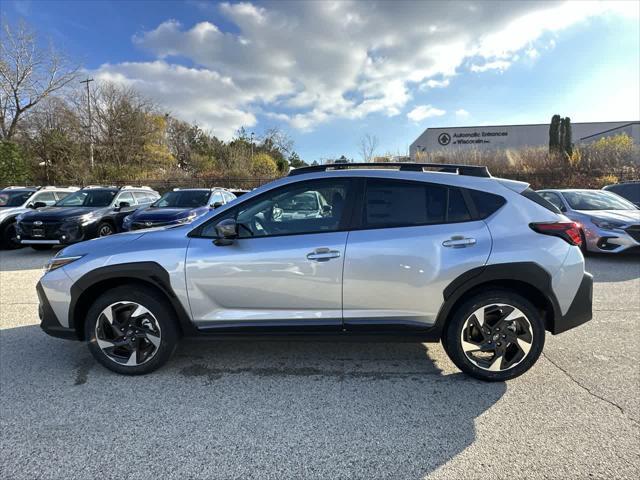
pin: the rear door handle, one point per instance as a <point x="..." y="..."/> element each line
<point x="459" y="242"/>
<point x="323" y="254"/>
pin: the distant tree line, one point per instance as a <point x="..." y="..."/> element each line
<point x="45" y="135"/>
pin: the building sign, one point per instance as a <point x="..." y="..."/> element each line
<point x="470" y="138"/>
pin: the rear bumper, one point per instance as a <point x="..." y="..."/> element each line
<point x="48" y="320"/>
<point x="581" y="309"/>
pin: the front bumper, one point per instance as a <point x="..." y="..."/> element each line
<point x="49" y="321"/>
<point x="581" y="309"/>
<point x="611" y="241"/>
<point x="56" y="233"/>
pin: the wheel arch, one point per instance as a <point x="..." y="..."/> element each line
<point x="525" y="278"/>
<point x="146" y="274"/>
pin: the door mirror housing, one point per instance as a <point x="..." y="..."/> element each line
<point x="216" y="204"/>
<point x="37" y="205"/>
<point x="123" y="205"/>
<point x="227" y="231"/>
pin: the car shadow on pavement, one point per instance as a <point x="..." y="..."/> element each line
<point x="237" y="410"/>
<point x="613" y="268"/>
<point x="24" y="259"/>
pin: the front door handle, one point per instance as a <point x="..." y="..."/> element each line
<point x="459" y="242"/>
<point x="323" y="254"/>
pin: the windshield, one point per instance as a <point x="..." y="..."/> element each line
<point x="597" y="200"/>
<point x="302" y="201"/>
<point x="183" y="199"/>
<point x="14" y="199"/>
<point x="88" y="198"/>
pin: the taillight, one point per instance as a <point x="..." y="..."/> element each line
<point x="568" y="231"/>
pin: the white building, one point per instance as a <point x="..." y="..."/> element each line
<point x="514" y="136"/>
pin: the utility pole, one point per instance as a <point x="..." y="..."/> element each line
<point x="87" y="81"/>
<point x="251" y="146"/>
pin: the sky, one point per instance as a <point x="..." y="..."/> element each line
<point x="330" y="72"/>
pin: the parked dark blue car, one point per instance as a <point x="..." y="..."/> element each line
<point x="176" y="207"/>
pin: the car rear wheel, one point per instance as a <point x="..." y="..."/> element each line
<point x="495" y="336"/>
<point x="131" y="330"/>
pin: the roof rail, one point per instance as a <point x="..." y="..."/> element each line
<point x="18" y="187"/>
<point x="470" y="170"/>
<point x="131" y="187"/>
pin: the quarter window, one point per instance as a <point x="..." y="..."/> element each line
<point x="392" y="203"/>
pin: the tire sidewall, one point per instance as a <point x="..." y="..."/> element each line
<point x="6" y="236"/>
<point x="454" y="330"/>
<point x="105" y="224"/>
<point x="160" y="309"/>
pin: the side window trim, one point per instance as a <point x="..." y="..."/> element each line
<point x="343" y="226"/>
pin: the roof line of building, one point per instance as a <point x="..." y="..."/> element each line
<point x="628" y="122"/>
<point x="610" y="130"/>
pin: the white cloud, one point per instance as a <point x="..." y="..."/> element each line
<point x="500" y="65"/>
<point x="311" y="62"/>
<point x="431" y="83"/>
<point x="424" y="111"/>
<point x="462" y="113"/>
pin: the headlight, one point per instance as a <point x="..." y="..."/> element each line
<point x="57" y="262"/>
<point x="187" y="219"/>
<point x="87" y="219"/>
<point x="606" y="224"/>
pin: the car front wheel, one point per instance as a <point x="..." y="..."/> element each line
<point x="131" y="330"/>
<point x="495" y="336"/>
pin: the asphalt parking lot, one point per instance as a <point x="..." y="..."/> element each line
<point x="321" y="410"/>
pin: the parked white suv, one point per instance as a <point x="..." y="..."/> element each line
<point x="483" y="264"/>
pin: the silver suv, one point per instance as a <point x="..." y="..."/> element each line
<point x="358" y="250"/>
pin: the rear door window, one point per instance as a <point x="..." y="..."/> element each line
<point x="397" y="203"/>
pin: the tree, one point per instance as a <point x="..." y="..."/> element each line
<point x="28" y="75"/>
<point x="567" y="144"/>
<point x="296" y="162"/>
<point x="367" y="146"/>
<point x="554" y="134"/>
<point x="263" y="166"/>
<point x="13" y="167"/>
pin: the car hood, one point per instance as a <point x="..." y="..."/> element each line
<point x="100" y="244"/>
<point x="165" y="214"/>
<point x="626" y="216"/>
<point x="11" y="211"/>
<point x="58" y="213"/>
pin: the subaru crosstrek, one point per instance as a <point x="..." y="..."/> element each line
<point x="176" y="207"/>
<point x="17" y="200"/>
<point x="483" y="264"/>
<point x="88" y="213"/>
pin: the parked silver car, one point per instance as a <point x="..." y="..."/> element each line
<point x="608" y="222"/>
<point x="483" y="264"/>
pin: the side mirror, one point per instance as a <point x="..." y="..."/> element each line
<point x="124" y="204"/>
<point x="326" y="209"/>
<point x="563" y="208"/>
<point x="217" y="204"/>
<point x="37" y="205"/>
<point x="227" y="231"/>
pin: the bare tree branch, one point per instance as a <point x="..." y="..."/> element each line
<point x="28" y="74"/>
<point x="367" y="147"/>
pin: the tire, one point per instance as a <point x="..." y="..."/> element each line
<point x="583" y="246"/>
<point x="105" y="229"/>
<point x="118" y="352"/>
<point x="42" y="248"/>
<point x="507" y="347"/>
<point x="8" y="238"/>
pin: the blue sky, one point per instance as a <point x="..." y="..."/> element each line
<point x="330" y="73"/>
